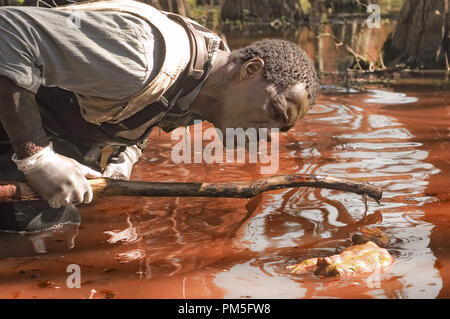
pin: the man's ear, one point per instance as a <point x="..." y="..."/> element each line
<point x="251" y="68"/>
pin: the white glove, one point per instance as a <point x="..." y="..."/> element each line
<point x="58" y="179"/>
<point x="120" y="166"/>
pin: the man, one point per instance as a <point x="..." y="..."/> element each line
<point x="79" y="78"/>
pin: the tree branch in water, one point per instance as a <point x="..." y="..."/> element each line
<point x="13" y="191"/>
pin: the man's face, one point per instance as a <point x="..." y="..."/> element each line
<point x="252" y="102"/>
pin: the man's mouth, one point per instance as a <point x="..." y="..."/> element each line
<point x="263" y="134"/>
<point x="251" y="137"/>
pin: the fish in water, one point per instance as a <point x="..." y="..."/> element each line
<point x="362" y="258"/>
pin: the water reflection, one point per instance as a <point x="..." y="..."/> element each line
<point x="196" y="247"/>
<point x="328" y="52"/>
<point x="368" y="145"/>
<point x="247" y="281"/>
<point x="21" y="244"/>
<point x="383" y="97"/>
<point x="238" y="247"/>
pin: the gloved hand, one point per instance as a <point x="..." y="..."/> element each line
<point x="120" y="165"/>
<point x="58" y="179"/>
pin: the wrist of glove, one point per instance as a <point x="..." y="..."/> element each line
<point x="58" y="179"/>
<point x="120" y="165"/>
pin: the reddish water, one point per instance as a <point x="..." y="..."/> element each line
<point x="215" y="248"/>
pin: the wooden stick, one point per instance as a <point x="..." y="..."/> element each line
<point x="14" y="191"/>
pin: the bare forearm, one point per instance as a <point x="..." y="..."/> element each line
<point x="21" y="120"/>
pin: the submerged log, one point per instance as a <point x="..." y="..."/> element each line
<point x="13" y="191"/>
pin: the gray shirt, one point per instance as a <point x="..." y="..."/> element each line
<point x="103" y="57"/>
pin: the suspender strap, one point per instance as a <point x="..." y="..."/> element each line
<point x="199" y="52"/>
<point x="197" y="69"/>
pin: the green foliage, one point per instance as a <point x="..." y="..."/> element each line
<point x="207" y="15"/>
<point x="390" y="6"/>
<point x="245" y="14"/>
<point x="305" y="5"/>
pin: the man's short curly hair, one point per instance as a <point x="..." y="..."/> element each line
<point x="285" y="64"/>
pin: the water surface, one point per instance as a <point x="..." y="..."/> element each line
<point x="395" y="138"/>
<point x="234" y="248"/>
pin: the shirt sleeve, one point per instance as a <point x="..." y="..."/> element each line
<point x="17" y="61"/>
<point x="103" y="54"/>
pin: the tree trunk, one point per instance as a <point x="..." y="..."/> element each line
<point x="8" y="3"/>
<point x="421" y="38"/>
<point x="347" y="6"/>
<point x="176" y="6"/>
<point x="48" y="3"/>
<point x="266" y="10"/>
<point x="209" y="2"/>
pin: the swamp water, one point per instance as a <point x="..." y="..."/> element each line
<point x="395" y="138"/>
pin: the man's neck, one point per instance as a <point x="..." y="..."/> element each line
<point x="209" y="101"/>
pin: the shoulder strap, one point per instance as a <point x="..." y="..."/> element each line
<point x="198" y="68"/>
<point x="176" y="42"/>
<point x="188" y="75"/>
